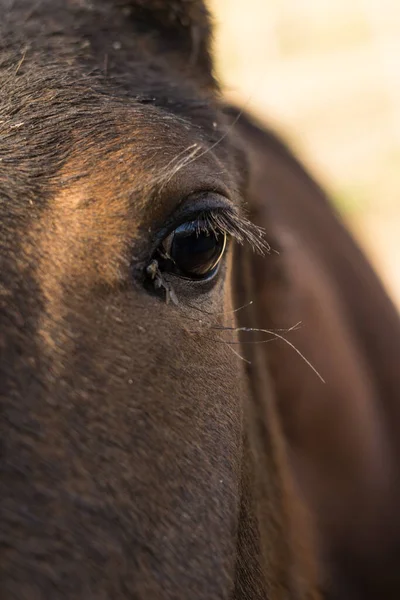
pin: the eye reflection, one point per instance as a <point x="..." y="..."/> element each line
<point x="193" y="250"/>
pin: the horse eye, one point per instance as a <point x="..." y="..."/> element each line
<point x="193" y="250"/>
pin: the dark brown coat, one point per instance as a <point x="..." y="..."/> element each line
<point x="151" y="449"/>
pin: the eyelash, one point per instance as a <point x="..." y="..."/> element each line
<point x="233" y="225"/>
<point x="218" y="220"/>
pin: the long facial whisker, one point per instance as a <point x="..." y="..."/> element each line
<point x="166" y="176"/>
<point x="195" y="152"/>
<point x="281" y="337"/>
<point x="225" y="134"/>
<point x="289" y="343"/>
<point x="248" y="342"/>
<point x="295" y="327"/>
<point x="237" y="354"/>
<point x="223" y="312"/>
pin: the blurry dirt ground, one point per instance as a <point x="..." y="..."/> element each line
<point x="326" y="74"/>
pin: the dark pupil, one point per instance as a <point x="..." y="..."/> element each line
<point x="196" y="251"/>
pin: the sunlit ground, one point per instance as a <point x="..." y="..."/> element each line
<point x="326" y="74"/>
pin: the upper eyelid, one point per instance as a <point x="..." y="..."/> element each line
<point x="221" y="212"/>
<point x="191" y="207"/>
<point x="228" y="220"/>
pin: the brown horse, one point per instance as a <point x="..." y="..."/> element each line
<point x="154" y="445"/>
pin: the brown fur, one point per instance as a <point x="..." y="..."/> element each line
<point x="143" y="457"/>
<point x="340" y="434"/>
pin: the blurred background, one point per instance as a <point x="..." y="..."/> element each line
<point x="326" y="75"/>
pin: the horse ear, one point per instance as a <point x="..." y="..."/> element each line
<point x="180" y="30"/>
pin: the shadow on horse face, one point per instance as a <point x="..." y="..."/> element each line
<point x="147" y="394"/>
<point x="124" y="400"/>
<point x="147" y="435"/>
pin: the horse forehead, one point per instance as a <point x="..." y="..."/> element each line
<point x="141" y="168"/>
<point x="126" y="168"/>
<point x="144" y="142"/>
<point x="116" y="144"/>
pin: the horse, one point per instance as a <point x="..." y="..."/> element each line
<point x="199" y="368"/>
